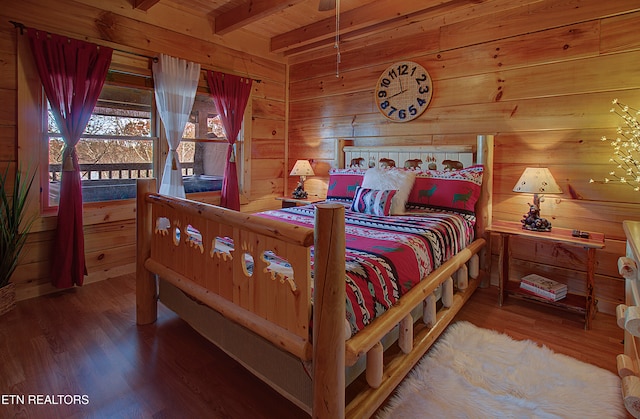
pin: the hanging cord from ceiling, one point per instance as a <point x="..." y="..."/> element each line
<point x="336" y="45"/>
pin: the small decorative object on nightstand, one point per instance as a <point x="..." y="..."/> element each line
<point x="303" y="169"/>
<point x="536" y="180"/>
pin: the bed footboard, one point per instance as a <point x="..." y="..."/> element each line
<point x="219" y="257"/>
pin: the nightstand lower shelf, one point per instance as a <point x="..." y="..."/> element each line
<point x="572" y="302"/>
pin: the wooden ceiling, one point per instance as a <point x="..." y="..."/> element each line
<point x="297" y="26"/>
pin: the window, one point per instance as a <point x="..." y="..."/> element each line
<point x="115" y="149"/>
<point x="203" y="148"/>
<point x="118" y="143"/>
<point x="122" y="141"/>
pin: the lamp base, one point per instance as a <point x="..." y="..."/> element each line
<point x="532" y="220"/>
<point x="299" y="192"/>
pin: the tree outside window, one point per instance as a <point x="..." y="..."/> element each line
<point x="116" y="147"/>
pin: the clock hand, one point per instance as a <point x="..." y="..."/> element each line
<point x="399" y="93"/>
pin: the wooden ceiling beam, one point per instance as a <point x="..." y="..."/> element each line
<point x="144" y="5"/>
<point x="248" y="13"/>
<point x="373" y="15"/>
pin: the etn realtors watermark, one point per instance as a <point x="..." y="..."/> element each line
<point x="44" y="399"/>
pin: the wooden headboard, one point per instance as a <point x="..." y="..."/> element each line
<point x="426" y="157"/>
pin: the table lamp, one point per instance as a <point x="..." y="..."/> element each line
<point x="303" y="169"/>
<point x="538" y="181"/>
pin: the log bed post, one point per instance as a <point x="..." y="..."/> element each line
<point x="146" y="298"/>
<point x="484" y="204"/>
<point x="328" y="314"/>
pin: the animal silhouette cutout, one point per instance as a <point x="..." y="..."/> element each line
<point x="412" y="164"/>
<point x="357" y="162"/>
<point x="452" y="165"/>
<point x="384" y="162"/>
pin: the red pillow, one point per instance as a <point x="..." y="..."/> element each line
<point x="456" y="190"/>
<point x="343" y="183"/>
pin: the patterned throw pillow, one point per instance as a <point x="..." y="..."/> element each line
<point x="343" y="183"/>
<point x="456" y="190"/>
<point x="372" y="201"/>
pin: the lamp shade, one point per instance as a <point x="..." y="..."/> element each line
<point x="302" y="168"/>
<point x="537" y="180"/>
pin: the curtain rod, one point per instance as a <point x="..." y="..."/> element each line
<point x="18" y="25"/>
<point x="22" y="27"/>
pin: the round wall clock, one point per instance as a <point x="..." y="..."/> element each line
<point x="403" y="91"/>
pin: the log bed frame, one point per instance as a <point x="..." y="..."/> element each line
<point x="628" y="318"/>
<point x="279" y="310"/>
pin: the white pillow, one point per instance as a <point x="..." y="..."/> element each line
<point x="390" y="179"/>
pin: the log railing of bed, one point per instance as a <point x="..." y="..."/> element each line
<point x="187" y="244"/>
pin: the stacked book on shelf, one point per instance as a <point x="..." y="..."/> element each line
<point x="543" y="287"/>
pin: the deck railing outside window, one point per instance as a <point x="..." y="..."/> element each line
<point x="114" y="171"/>
<point x="114" y="181"/>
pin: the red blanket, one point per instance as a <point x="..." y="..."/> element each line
<point x="387" y="256"/>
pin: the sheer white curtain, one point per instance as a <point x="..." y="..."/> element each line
<point x="175" y="83"/>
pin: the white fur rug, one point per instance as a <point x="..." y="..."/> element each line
<point x="477" y="373"/>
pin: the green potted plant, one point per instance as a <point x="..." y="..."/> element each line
<point x="14" y="229"/>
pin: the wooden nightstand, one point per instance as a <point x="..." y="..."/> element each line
<point x="288" y="202"/>
<point x="584" y="304"/>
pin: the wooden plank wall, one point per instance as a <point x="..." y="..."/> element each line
<point x="540" y="75"/>
<point x="110" y="227"/>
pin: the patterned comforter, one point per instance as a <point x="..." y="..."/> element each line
<point x="387" y="256"/>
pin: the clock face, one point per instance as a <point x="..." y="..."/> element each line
<point x="403" y="91"/>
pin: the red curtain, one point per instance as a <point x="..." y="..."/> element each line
<point x="72" y="74"/>
<point x="230" y="94"/>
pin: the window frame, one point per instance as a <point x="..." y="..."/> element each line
<point x="243" y="165"/>
<point x="203" y="139"/>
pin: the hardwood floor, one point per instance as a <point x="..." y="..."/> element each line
<point x="85" y="342"/>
